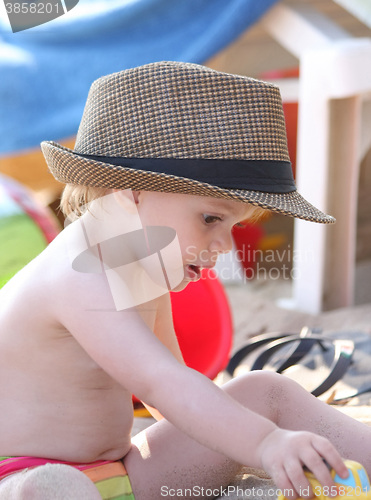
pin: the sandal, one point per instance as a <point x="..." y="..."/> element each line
<point x="269" y="344"/>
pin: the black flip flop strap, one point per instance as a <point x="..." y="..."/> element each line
<point x="306" y="342"/>
<point x="256" y="342"/>
<point x="344" y="350"/>
<point x="342" y="358"/>
<point x="251" y="346"/>
<point x="295" y="355"/>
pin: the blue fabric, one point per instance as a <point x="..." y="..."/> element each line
<point x="46" y="71"/>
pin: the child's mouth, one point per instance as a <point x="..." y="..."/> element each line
<point x="193" y="272"/>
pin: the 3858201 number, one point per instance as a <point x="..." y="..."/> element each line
<point x="339" y="491"/>
<point x="32" y="8"/>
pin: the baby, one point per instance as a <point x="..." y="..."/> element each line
<point x="168" y="158"/>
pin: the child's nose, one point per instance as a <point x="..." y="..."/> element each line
<point x="222" y="244"/>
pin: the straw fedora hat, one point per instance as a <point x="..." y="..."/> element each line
<point x="184" y="128"/>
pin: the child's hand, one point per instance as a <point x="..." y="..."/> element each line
<point x="284" y="453"/>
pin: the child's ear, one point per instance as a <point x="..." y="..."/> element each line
<point x="136" y="196"/>
<point x="129" y="193"/>
<point x="127" y="198"/>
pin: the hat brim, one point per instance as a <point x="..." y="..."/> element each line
<point x="69" y="167"/>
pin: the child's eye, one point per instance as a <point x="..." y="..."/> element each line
<point x="239" y="224"/>
<point x="210" y="219"/>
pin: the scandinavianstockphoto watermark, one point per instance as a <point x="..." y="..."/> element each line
<point x="248" y="263"/>
<point x="258" y="492"/>
<point x="202" y="492"/>
<point x="26" y="14"/>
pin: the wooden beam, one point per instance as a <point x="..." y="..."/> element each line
<point x="299" y="28"/>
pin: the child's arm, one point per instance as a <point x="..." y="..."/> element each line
<point x="164" y="331"/>
<point x="123" y="345"/>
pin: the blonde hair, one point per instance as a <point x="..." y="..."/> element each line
<point x="75" y="198"/>
<point x="259" y="214"/>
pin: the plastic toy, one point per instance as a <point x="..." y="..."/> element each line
<point x="26" y="227"/>
<point x="355" y="486"/>
<point x="203" y="324"/>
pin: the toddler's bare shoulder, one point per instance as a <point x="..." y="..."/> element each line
<point x="71" y="284"/>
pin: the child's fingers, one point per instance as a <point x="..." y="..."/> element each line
<point x="302" y="448"/>
<point x="319" y="459"/>
<point x="301" y="487"/>
<point x="332" y="457"/>
<point x="320" y="471"/>
<point x="284" y="484"/>
<point x="290" y="479"/>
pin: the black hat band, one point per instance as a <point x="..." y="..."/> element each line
<point x="268" y="176"/>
